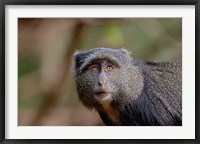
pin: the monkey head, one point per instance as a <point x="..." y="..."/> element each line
<point x="102" y="74"/>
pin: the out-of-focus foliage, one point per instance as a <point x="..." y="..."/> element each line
<point x="46" y="88"/>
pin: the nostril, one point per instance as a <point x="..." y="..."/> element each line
<point x="99" y="84"/>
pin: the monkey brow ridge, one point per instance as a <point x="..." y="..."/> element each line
<point x="109" y="58"/>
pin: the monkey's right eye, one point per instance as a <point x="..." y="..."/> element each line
<point x="94" y="69"/>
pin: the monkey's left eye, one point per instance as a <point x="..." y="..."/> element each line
<point x="109" y="69"/>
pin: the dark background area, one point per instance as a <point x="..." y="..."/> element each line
<point x="46" y="89"/>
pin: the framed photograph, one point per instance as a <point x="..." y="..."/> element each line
<point x="100" y="72"/>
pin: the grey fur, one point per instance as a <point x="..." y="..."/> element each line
<point x="144" y="93"/>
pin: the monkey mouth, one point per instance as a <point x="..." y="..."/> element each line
<point x="102" y="95"/>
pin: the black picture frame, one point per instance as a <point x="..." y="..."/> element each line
<point x="3" y="4"/>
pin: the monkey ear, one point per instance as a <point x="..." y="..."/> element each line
<point x="79" y="59"/>
<point x="74" y="62"/>
<point x="76" y="53"/>
<point x="124" y="51"/>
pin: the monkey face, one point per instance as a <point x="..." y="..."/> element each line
<point x="96" y="84"/>
<point x="101" y="74"/>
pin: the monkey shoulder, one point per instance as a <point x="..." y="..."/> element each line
<point x="161" y="97"/>
<point x="163" y="78"/>
<point x="173" y="66"/>
<point x="170" y="72"/>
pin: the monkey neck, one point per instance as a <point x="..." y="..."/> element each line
<point x="110" y="110"/>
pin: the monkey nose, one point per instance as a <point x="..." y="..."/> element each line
<point x="101" y="83"/>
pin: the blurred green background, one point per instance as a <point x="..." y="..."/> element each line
<point x="46" y="89"/>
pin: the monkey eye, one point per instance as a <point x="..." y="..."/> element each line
<point x="109" y="69"/>
<point x="94" y="69"/>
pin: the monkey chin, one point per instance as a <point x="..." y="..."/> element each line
<point x="103" y="96"/>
